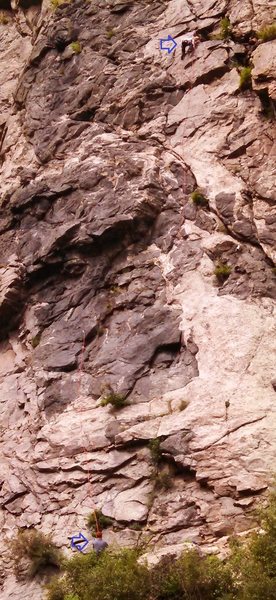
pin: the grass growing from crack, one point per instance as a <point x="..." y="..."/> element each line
<point x="116" y="400"/>
<point x="245" y="78"/>
<point x="225" y="28"/>
<point x="155" y="450"/>
<point x="198" y="198"/>
<point x="267" y="33"/>
<point x="110" y="33"/>
<point x="222" y="272"/>
<point x="76" y="47"/>
<point x="4" y="19"/>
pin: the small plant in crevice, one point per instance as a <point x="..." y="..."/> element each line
<point x="39" y="551"/>
<point x="155" y="450"/>
<point x="93" y="520"/>
<point x="245" y="78"/>
<point x="198" y="198"/>
<point x="225" y="28"/>
<point x="36" y="340"/>
<point x="56" y="3"/>
<point x="4" y="19"/>
<point x="162" y="480"/>
<point x="222" y="272"/>
<point x="110" y="33"/>
<point x="76" y="47"/>
<point x="115" y="400"/>
<point x="267" y="33"/>
<point x="136" y="526"/>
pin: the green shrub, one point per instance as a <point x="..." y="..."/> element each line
<point x="102" y="520"/>
<point x="76" y="47"/>
<point x="222" y="272"/>
<point x="254" y="562"/>
<point x="116" y="400"/>
<point x="105" y="577"/>
<point x="225" y="28"/>
<point x="37" y="548"/>
<point x="155" y="450"/>
<point x="245" y="78"/>
<point x="267" y="33"/>
<point x="198" y="198"/>
<point x="191" y="577"/>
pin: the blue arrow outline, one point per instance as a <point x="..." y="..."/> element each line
<point x="169" y="39"/>
<point x="75" y="539"/>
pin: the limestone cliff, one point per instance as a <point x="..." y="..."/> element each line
<point x="107" y="284"/>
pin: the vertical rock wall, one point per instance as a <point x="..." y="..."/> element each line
<point x="107" y="278"/>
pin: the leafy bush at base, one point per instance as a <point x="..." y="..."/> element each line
<point x="105" y="577"/>
<point x="249" y="573"/>
<point x="37" y="549"/>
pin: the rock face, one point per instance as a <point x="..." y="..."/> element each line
<point x="107" y="282"/>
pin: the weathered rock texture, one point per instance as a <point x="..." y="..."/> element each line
<point x="107" y="271"/>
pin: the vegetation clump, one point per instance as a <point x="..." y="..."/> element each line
<point x="96" y="518"/>
<point x="38" y="549"/>
<point x="116" y="400"/>
<point x="267" y="33"/>
<point x="222" y="272"/>
<point x="4" y="19"/>
<point x="56" y="3"/>
<point x="109" y="576"/>
<point x="76" y="47"/>
<point x="155" y="450"/>
<point x="110" y="33"/>
<point x="198" y="198"/>
<point x="162" y="480"/>
<point x="225" y="28"/>
<point x="245" y="78"/>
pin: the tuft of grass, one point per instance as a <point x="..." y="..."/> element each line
<point x="76" y="47"/>
<point x="245" y="78"/>
<point x="198" y="198"/>
<point x="36" y="340"/>
<point x="38" y="549"/>
<point x="102" y="520"/>
<point x="116" y="400"/>
<point x="136" y="527"/>
<point x="56" y="3"/>
<point x="110" y="33"/>
<point x="225" y="28"/>
<point x="222" y="272"/>
<point x="162" y="480"/>
<point x="4" y="19"/>
<point x="267" y="33"/>
<point x="155" y="450"/>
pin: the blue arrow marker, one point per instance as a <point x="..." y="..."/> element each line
<point x="79" y="542"/>
<point x="169" y="44"/>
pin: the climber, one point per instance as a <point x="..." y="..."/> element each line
<point x="189" y="42"/>
<point x="98" y="543"/>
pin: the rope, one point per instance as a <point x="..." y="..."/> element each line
<point x="80" y="370"/>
